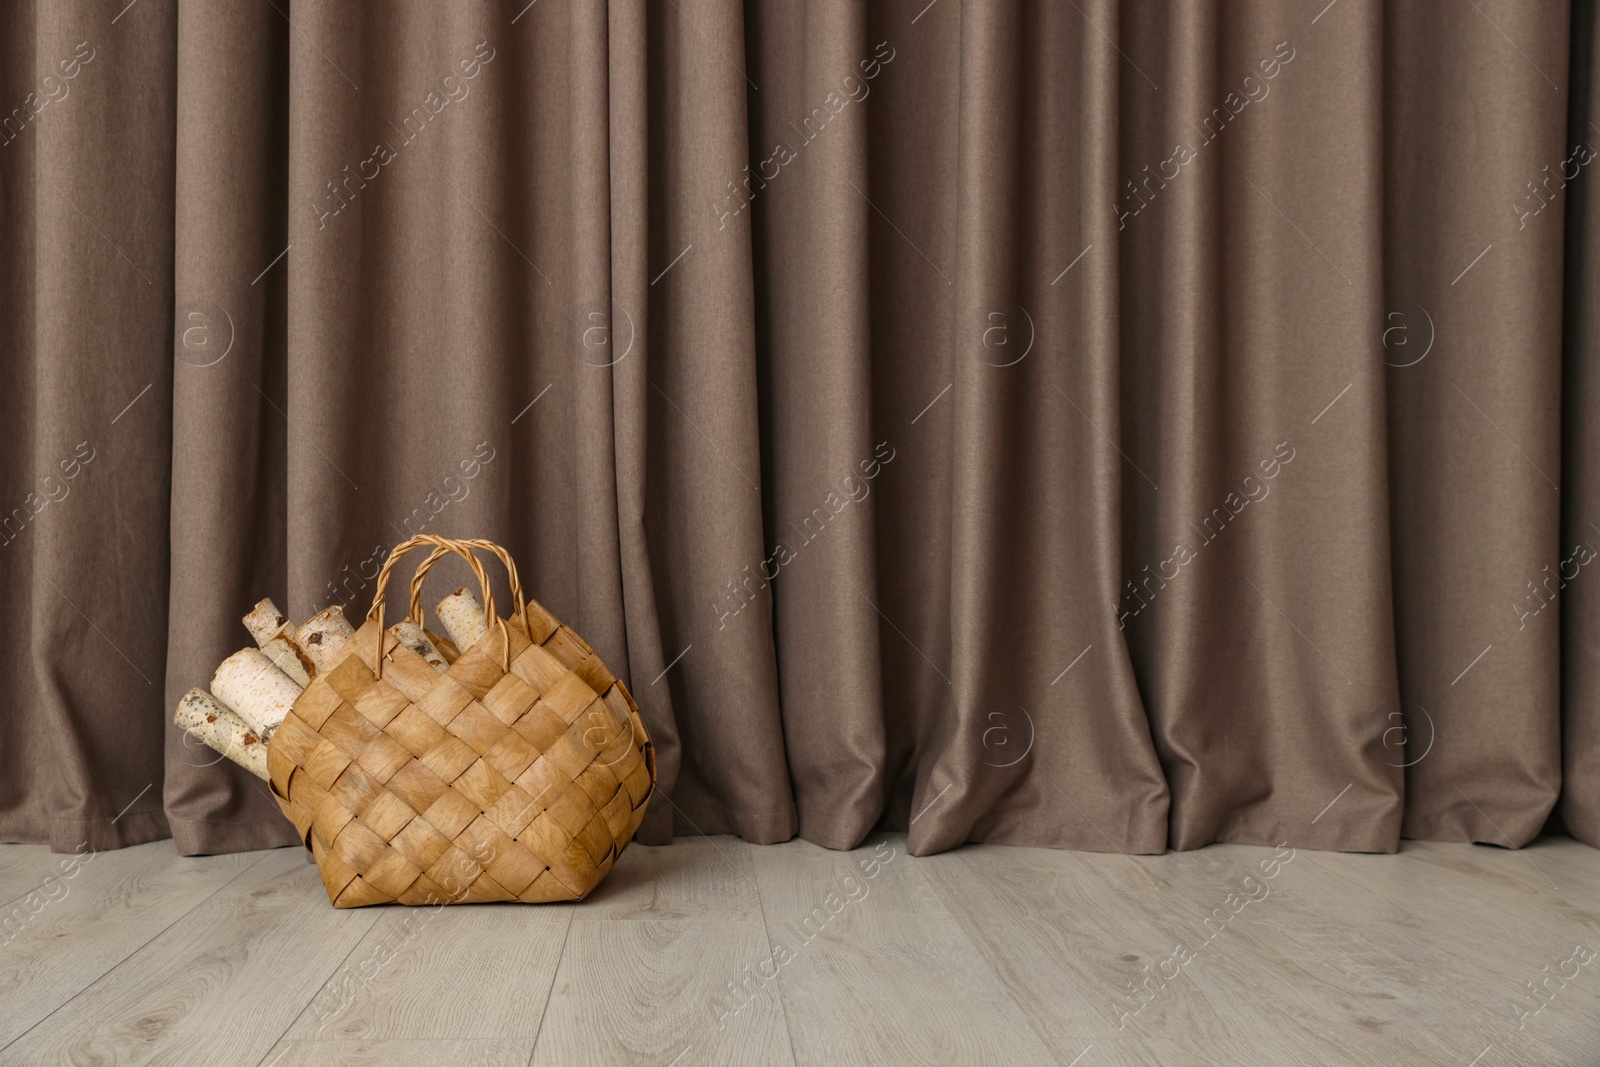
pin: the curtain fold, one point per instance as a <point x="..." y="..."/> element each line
<point x="1474" y="428"/>
<point x="1579" y="627"/>
<point x="1110" y="426"/>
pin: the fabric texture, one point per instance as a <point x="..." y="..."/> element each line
<point x="1091" y="425"/>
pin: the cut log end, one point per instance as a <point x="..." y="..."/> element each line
<point x="463" y="618"/>
<point x="274" y="634"/>
<point x="265" y="621"/>
<point x="206" y="719"/>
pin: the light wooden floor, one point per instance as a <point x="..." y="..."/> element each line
<point x="984" y="955"/>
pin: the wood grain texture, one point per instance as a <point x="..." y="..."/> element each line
<point x="24" y="868"/>
<point x="880" y="972"/>
<point x="656" y="991"/>
<point x="218" y="987"/>
<point x="694" y="877"/>
<point x="1068" y="941"/>
<point x="981" y="955"/>
<point x="412" y="1053"/>
<point x="1468" y="955"/>
<point x="448" y="972"/>
<point x="1345" y="959"/>
<point x="94" y="915"/>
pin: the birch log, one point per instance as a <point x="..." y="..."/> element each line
<point x="262" y="694"/>
<point x="289" y="659"/>
<point x="463" y="618"/>
<point x="416" y="639"/>
<point x="265" y="621"/>
<point x="275" y="634"/>
<point x="206" y="719"/>
<point x="322" y="638"/>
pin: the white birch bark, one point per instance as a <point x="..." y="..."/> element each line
<point x="274" y="632"/>
<point x="322" y="638"/>
<point x="248" y="683"/>
<point x="206" y="719"/>
<point x="288" y="658"/>
<point x="416" y="639"/>
<point x="463" y="618"/>
<point x="265" y="621"/>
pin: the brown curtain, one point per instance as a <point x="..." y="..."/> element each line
<point x="1093" y="425"/>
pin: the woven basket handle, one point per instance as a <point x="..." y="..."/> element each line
<point x="442" y="547"/>
<point x="518" y="601"/>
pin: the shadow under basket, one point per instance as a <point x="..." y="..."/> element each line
<point x="520" y="773"/>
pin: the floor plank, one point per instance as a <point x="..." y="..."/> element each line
<point x="694" y="877"/>
<point x="876" y="971"/>
<point x="1090" y="948"/>
<point x="410" y="1053"/>
<point x="26" y="867"/>
<point x="657" y="898"/>
<point x="96" y="914"/>
<point x="716" y="951"/>
<point x="655" y="991"/>
<point x="219" y="987"/>
<point x="1463" y="957"/>
<point x="442" y="972"/>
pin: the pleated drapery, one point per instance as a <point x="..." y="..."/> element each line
<point x="1092" y="425"/>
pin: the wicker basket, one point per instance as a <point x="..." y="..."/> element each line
<point x="520" y="773"/>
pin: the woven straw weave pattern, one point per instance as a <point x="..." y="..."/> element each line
<point x="478" y="784"/>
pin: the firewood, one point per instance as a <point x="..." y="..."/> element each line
<point x="463" y="618"/>
<point x="274" y="632"/>
<point x="322" y="637"/>
<point x="206" y="719"/>
<point x="416" y="639"/>
<point x="248" y="682"/>
<point x="265" y="621"/>
<point x="289" y="659"/>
